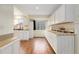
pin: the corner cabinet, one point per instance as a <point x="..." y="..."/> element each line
<point x="65" y="13"/>
<point x="61" y="44"/>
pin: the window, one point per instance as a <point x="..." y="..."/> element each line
<point x="40" y="25"/>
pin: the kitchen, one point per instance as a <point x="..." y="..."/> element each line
<point x="58" y="23"/>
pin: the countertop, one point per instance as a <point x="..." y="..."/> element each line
<point x="61" y="34"/>
<point x="6" y="40"/>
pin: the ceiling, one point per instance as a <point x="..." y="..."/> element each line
<point x="37" y="9"/>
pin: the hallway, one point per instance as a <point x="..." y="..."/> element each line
<point x="36" y="46"/>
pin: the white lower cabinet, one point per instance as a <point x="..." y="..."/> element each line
<point x="6" y="50"/>
<point x="22" y="35"/>
<point x="13" y="48"/>
<point x="65" y="44"/>
<point x="61" y="44"/>
<point x="52" y="40"/>
<point x="16" y="47"/>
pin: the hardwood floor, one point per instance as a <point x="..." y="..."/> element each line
<point x="36" y="46"/>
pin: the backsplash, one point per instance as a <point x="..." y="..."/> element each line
<point x="67" y="27"/>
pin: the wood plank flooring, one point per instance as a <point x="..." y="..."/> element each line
<point x="36" y="46"/>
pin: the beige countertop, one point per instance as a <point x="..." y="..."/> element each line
<point x="5" y="42"/>
<point x="61" y="34"/>
<point x="6" y="39"/>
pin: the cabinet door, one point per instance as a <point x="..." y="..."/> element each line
<point x="16" y="47"/>
<point x="77" y="29"/>
<point x="25" y="35"/>
<point x="70" y="13"/>
<point x="76" y="44"/>
<point x="60" y="14"/>
<point x="65" y="45"/>
<point x="6" y="50"/>
<point x="77" y="13"/>
<point x="65" y="13"/>
<point x="52" y="20"/>
<point x="0" y="51"/>
<point x="52" y="40"/>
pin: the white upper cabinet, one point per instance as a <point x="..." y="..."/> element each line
<point x="60" y="14"/>
<point x="69" y="13"/>
<point x="65" y="13"/>
<point x="77" y="14"/>
<point x="51" y="21"/>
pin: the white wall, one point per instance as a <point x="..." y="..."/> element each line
<point x="6" y="19"/>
